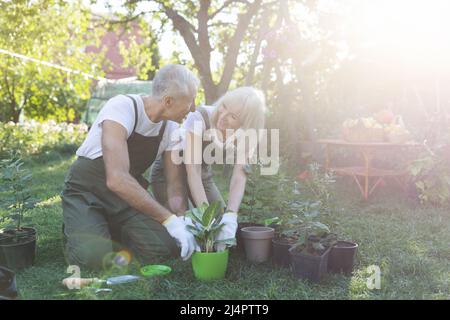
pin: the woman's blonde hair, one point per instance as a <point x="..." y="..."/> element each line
<point x="251" y="103"/>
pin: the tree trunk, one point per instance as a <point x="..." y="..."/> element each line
<point x="200" y="47"/>
<point x="15" y="113"/>
<point x="211" y="94"/>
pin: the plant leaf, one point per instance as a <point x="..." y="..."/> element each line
<point x="194" y="217"/>
<point x="192" y="229"/>
<point x="210" y="214"/>
<point x="229" y="242"/>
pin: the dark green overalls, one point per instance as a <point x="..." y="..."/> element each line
<point x="94" y="215"/>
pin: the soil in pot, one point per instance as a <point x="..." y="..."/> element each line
<point x="210" y="265"/>
<point x="342" y="257"/>
<point x="280" y="247"/>
<point x="257" y="243"/>
<point x="18" y="253"/>
<point x="308" y="266"/>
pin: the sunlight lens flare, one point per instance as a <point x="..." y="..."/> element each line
<point x="415" y="30"/>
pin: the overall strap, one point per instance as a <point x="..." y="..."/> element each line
<point x="205" y="117"/>
<point x="135" y="112"/>
<point x="161" y="131"/>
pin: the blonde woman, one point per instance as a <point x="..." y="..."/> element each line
<point x="235" y="112"/>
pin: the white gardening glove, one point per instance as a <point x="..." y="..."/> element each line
<point x="229" y="229"/>
<point x="188" y="222"/>
<point x="176" y="227"/>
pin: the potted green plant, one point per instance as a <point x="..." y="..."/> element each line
<point x="17" y="242"/>
<point x="265" y="195"/>
<point x="208" y="264"/>
<point x="251" y="204"/>
<point x="288" y="228"/>
<point x="286" y="235"/>
<point x="310" y="254"/>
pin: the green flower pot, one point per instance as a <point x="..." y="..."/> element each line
<point x="210" y="266"/>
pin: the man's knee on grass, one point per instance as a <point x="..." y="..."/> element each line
<point x="89" y="252"/>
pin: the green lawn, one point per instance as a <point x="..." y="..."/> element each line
<point x="410" y="244"/>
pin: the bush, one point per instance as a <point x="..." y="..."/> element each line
<point x="32" y="137"/>
<point x="319" y="185"/>
<point x="431" y="177"/>
<point x="430" y="172"/>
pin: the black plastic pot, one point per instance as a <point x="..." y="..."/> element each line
<point x="18" y="255"/>
<point x="309" y="267"/>
<point x="281" y="255"/>
<point x="8" y="287"/>
<point x="239" y="241"/>
<point x="342" y="257"/>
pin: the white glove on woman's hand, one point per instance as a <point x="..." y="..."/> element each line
<point x="229" y="229"/>
<point x="176" y="226"/>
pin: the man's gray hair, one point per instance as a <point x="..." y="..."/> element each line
<point x="175" y="81"/>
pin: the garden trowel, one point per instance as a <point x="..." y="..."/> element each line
<point x="146" y="271"/>
<point x="77" y="283"/>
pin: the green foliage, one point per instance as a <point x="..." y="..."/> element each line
<point x="319" y="184"/>
<point x="206" y="220"/>
<point x="16" y="192"/>
<point x="51" y="32"/>
<point x="32" y="137"/>
<point x="311" y="235"/>
<point x="266" y="195"/>
<point x="141" y="52"/>
<point x="411" y="250"/>
<point x="430" y="171"/>
<point x="301" y="223"/>
<point x="431" y="176"/>
<point x="317" y="244"/>
<point x="298" y="210"/>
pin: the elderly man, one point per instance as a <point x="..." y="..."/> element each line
<point x="104" y="191"/>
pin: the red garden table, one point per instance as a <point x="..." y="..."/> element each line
<point x="367" y="177"/>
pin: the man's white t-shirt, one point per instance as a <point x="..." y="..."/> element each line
<point x="121" y="110"/>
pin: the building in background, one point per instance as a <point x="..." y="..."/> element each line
<point x="119" y="79"/>
<point x="110" y="43"/>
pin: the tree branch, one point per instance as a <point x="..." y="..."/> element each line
<point x="173" y="14"/>
<point x="201" y="58"/>
<point x="262" y="31"/>
<point x="203" y="36"/>
<point x="221" y="23"/>
<point x="226" y="4"/>
<point x="234" y="45"/>
<point x="104" y="21"/>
